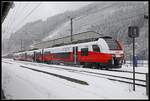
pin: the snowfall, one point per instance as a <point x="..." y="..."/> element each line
<point x="24" y="83"/>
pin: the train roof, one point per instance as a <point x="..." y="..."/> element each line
<point x="79" y="42"/>
<point x="62" y="44"/>
<point x="82" y="41"/>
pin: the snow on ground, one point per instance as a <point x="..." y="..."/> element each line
<point x="142" y="69"/>
<point x="22" y="83"/>
<point x="48" y="66"/>
<point x="125" y="67"/>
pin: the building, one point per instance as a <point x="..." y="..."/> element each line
<point x="67" y="39"/>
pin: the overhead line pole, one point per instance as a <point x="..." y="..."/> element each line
<point x="133" y="65"/>
<point x="71" y="29"/>
<point x="21" y="44"/>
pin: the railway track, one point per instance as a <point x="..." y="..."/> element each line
<point x="108" y="76"/>
<point x="101" y="75"/>
<point x="125" y="71"/>
<point x="57" y="75"/>
<point x="82" y="72"/>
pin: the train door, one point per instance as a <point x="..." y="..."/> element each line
<point x="75" y="54"/>
<point x="25" y="56"/>
<point x="34" y="56"/>
<point x="42" y="55"/>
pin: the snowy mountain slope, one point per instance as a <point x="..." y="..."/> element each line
<point x="104" y="18"/>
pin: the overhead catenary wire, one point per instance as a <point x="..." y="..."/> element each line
<point x="75" y="19"/>
<point x="21" y="22"/>
<point x="13" y="21"/>
<point x="113" y="22"/>
<point x="9" y="22"/>
<point x="80" y="17"/>
<point x="117" y="20"/>
<point x="31" y="12"/>
<point x="17" y="12"/>
<point x="21" y="10"/>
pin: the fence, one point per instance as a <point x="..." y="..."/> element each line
<point x="143" y="63"/>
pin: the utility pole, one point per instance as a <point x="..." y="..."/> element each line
<point x="71" y="29"/>
<point x="21" y="44"/>
<point x="43" y="55"/>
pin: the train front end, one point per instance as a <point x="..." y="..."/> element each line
<point x="115" y="49"/>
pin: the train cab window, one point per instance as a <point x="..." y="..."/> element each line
<point x="96" y="48"/>
<point x="84" y="51"/>
<point x="113" y="44"/>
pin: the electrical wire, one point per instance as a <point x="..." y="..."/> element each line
<point x="21" y="10"/>
<point x="21" y="22"/>
<point x="9" y="23"/>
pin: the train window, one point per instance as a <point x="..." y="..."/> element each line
<point x="113" y="44"/>
<point x="84" y="51"/>
<point x="62" y="55"/>
<point x="96" y="48"/>
<point x="38" y="53"/>
<point x="45" y="53"/>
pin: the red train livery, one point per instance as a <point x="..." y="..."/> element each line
<point x="103" y="52"/>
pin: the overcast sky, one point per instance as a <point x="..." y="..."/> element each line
<point x="24" y="12"/>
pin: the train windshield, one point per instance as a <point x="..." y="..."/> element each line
<point x="113" y="44"/>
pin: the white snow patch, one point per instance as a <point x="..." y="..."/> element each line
<point x="22" y="83"/>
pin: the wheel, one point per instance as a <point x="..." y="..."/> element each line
<point x="48" y="62"/>
<point x="106" y="67"/>
<point x="94" y="66"/>
<point x="84" y="66"/>
<point x="100" y="67"/>
<point x="87" y="65"/>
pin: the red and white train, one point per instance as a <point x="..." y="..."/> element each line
<point x="103" y="52"/>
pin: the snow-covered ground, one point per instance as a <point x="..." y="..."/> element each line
<point x="22" y="83"/>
